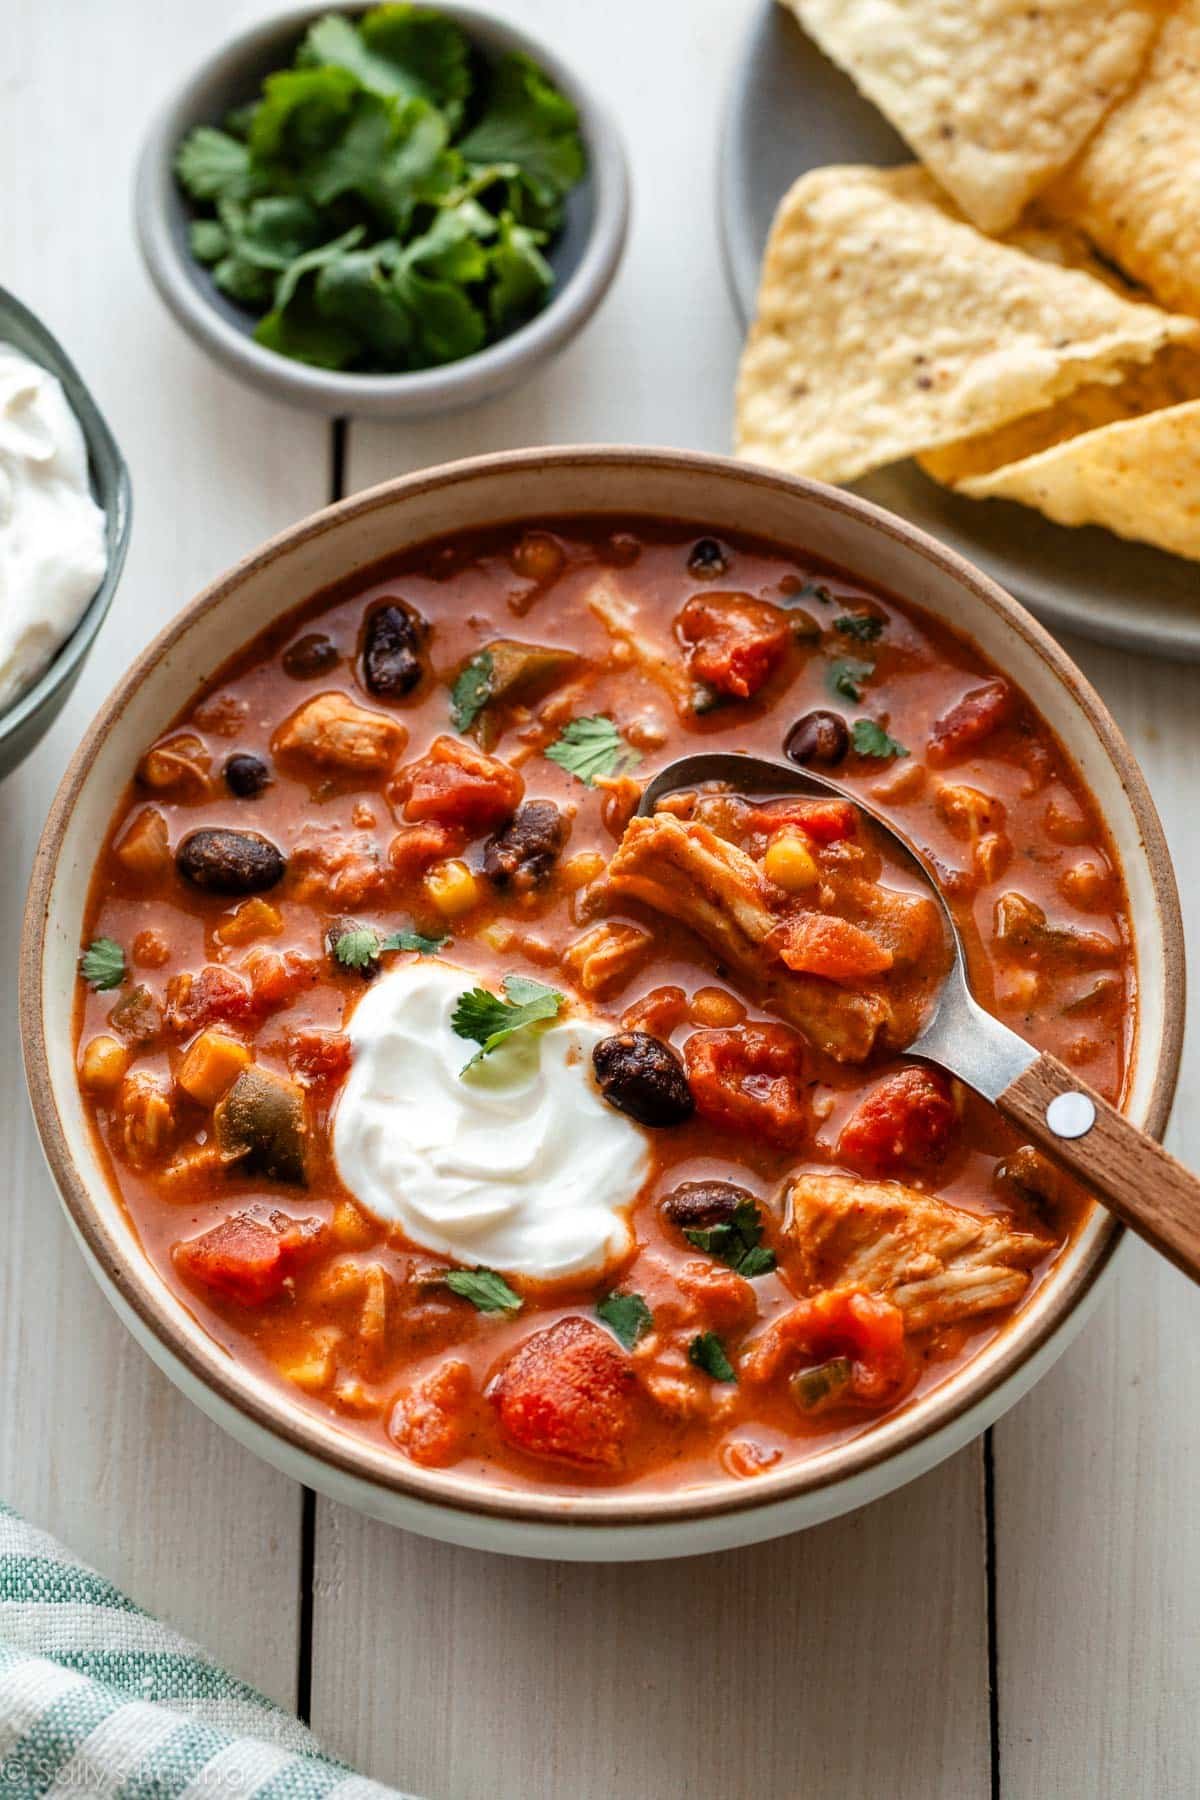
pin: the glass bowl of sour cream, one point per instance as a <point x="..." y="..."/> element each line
<point x="64" y="527"/>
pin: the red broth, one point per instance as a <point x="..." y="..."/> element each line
<point x="822" y="1331"/>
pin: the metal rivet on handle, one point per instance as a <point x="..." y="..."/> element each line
<point x="1070" y="1115"/>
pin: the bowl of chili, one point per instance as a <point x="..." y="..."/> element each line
<point x="836" y="1268"/>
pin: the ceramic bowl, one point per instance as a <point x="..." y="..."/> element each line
<point x="28" y="719"/>
<point x="584" y="257"/>
<point x="716" y="495"/>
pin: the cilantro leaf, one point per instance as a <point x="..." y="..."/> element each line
<point x="736" y="1241"/>
<point x="870" y="739"/>
<point x="845" y="677"/>
<point x="592" y="747"/>
<point x="484" y="1289"/>
<point x="527" y="122"/>
<point x="522" y="273"/>
<point x="490" y="1020"/>
<point x="707" y="1352"/>
<point x="102" y="964"/>
<point x="626" y="1315"/>
<point x="866" y="627"/>
<point x="360" y="947"/>
<point x="472" y="690"/>
<point x="208" y="240"/>
<point x="211" y="165"/>
<point x="407" y="52"/>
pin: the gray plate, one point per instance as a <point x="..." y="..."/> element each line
<point x="791" y="110"/>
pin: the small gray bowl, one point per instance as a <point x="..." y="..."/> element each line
<point x="584" y="257"/>
<point x="27" y="720"/>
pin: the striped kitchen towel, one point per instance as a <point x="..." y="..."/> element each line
<point x="97" y="1698"/>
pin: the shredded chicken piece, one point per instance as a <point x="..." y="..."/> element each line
<point x="333" y="732"/>
<point x="606" y="956"/>
<point x="934" y="1261"/>
<point x="687" y="872"/>
<point x="622" y="620"/>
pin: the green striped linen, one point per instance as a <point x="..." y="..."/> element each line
<point x="97" y="1698"/>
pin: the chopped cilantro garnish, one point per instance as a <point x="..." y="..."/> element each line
<point x="102" y="964"/>
<point x="471" y="691"/>
<point x="870" y="739"/>
<point x="708" y="1353"/>
<point x="484" y="1289"/>
<point x="384" y="203"/>
<point x="736" y="1241"/>
<point x="626" y="1315"/>
<point x="489" y="1020"/>
<point x="866" y="627"/>
<point x="358" y="948"/>
<point x="846" y="676"/>
<point x="591" y="748"/>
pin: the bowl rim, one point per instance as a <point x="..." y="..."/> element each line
<point x="253" y="1395"/>
<point x="118" y="510"/>
<point x="567" y="311"/>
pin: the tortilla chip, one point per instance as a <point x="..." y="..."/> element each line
<point x="1135" y="187"/>
<point x="1171" y="380"/>
<point x="995" y="96"/>
<point x="887" y="325"/>
<point x="1140" y="478"/>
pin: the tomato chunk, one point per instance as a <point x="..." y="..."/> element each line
<point x="317" y="1055"/>
<point x="906" y="1123"/>
<point x="971" y="720"/>
<point x="457" y="784"/>
<point x="568" y="1394"/>
<point x="750" y="1079"/>
<point x="816" y="943"/>
<point x="248" y="1258"/>
<point x="214" y="996"/>
<point x="737" y="641"/>
<point x="825" y="821"/>
<point x="432" y="1423"/>
<point x="838" y="1322"/>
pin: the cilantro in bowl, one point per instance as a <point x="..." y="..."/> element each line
<point x="385" y="203"/>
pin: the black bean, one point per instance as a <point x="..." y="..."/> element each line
<point x="698" y="1205"/>
<point x="246" y="775"/>
<point x="707" y="559"/>
<point x="642" y="1076"/>
<point x="819" y="737"/>
<point x="312" y="654"/>
<point x="392" y="650"/>
<point x="229" y="862"/>
<point x="523" y="851"/>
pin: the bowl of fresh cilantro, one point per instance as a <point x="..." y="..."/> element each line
<point x="392" y="210"/>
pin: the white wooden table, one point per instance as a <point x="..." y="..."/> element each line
<point x="1023" y="1622"/>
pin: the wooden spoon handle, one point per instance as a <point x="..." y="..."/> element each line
<point x="1124" y="1167"/>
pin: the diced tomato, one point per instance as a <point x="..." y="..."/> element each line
<point x="973" y="718"/>
<point x="815" y="943"/>
<point x="737" y="641"/>
<point x="277" y="976"/>
<point x="432" y="1422"/>
<point x="906" y="1122"/>
<point x="825" y="821"/>
<point x="718" y="1298"/>
<point x="413" y="849"/>
<point x="456" y="784"/>
<point x="317" y="1055"/>
<point x="215" y="995"/>
<point x="838" y="1322"/>
<point x="248" y="1258"/>
<point x="750" y="1079"/>
<point x="568" y="1393"/>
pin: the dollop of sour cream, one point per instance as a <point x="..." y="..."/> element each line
<point x="52" y="550"/>
<point x="521" y="1166"/>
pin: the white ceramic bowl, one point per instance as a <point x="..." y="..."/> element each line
<point x="716" y="495"/>
<point x="584" y="256"/>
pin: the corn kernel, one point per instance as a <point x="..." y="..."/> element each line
<point x="790" y="863"/>
<point x="577" y="871"/>
<point x="713" y="1006"/>
<point x="350" y="1226"/>
<point x="211" y="1065"/>
<point x="105" y="1061"/>
<point x="252" y="919"/>
<point x="452" y="888"/>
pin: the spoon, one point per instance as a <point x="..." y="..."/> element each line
<point x="1057" y="1112"/>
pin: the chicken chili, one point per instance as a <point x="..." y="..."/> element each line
<point x="563" y="1146"/>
